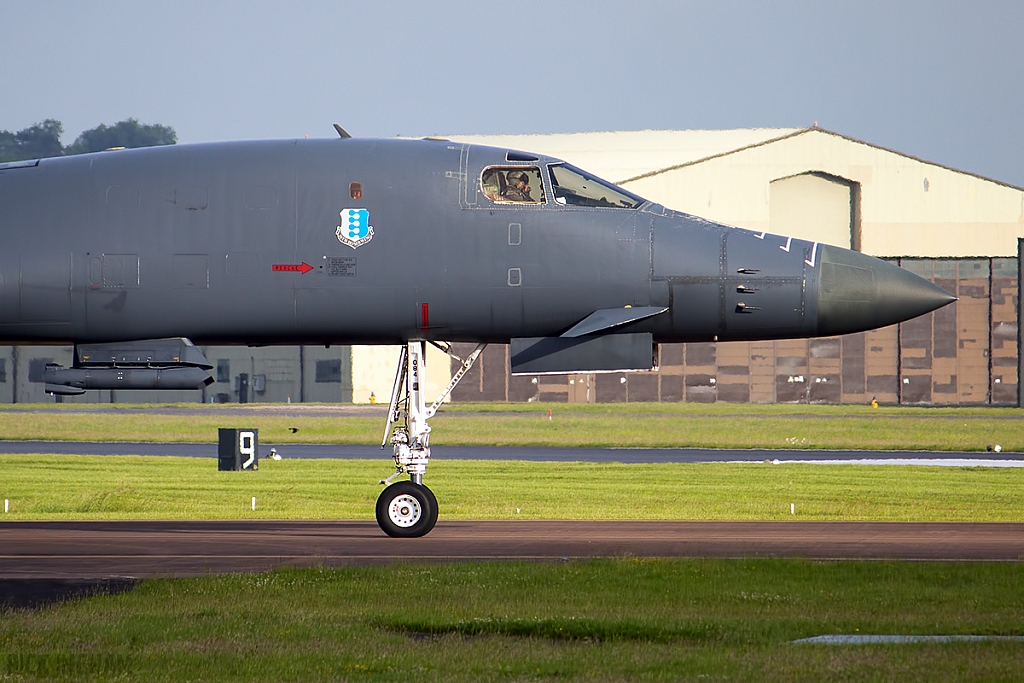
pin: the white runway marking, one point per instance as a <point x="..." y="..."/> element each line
<point x="930" y="462"/>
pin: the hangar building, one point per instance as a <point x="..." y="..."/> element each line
<point x="958" y="229"/>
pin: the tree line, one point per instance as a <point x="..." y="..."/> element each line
<point x="42" y="140"/>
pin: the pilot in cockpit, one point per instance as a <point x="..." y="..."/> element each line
<point x="517" y="187"/>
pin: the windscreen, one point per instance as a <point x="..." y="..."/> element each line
<point x="578" y="188"/>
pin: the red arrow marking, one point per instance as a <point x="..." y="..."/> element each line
<point x="296" y="267"/>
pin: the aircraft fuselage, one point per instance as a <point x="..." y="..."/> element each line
<point x="241" y="243"/>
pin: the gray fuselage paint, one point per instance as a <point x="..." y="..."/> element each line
<point x="182" y="241"/>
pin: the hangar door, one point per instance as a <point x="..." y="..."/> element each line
<point x="816" y="207"/>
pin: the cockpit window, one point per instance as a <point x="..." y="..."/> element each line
<point x="578" y="188"/>
<point x="520" y="185"/>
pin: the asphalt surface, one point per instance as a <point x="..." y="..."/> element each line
<point x="46" y="562"/>
<point x="109" y="549"/>
<point x="528" y="453"/>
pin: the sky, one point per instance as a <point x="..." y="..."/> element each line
<point x="939" y="80"/>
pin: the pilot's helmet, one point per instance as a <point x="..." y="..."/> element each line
<point x="516" y="176"/>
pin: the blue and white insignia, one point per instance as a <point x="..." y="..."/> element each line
<point x="355" y="228"/>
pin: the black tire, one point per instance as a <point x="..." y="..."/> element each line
<point x="433" y="506"/>
<point x="406" y="510"/>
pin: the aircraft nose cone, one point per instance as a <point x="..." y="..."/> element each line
<point x="858" y="292"/>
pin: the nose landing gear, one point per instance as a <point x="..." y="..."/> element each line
<point x="408" y="509"/>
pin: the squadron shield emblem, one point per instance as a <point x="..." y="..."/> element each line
<point x="355" y="228"/>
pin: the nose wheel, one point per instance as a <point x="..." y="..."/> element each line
<point x="406" y="510"/>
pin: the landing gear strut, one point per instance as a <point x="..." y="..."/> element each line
<point x="408" y="509"/>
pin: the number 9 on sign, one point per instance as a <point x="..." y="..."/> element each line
<point x="247" y="448"/>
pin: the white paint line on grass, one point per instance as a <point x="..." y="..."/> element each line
<point x="931" y="462"/>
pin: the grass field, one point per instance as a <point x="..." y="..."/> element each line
<point x="135" y="487"/>
<point x="619" y="619"/>
<point x="610" y="620"/>
<point x="656" y="425"/>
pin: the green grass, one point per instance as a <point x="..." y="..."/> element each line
<point x="136" y="487"/>
<point x="610" y="620"/>
<point x="653" y="425"/>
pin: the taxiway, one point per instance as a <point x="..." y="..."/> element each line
<point x="105" y="549"/>
<point x="530" y="453"/>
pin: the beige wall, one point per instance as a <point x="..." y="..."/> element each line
<point x="373" y="371"/>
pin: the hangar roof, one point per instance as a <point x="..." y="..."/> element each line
<point x="624" y="156"/>
<point x="619" y="156"/>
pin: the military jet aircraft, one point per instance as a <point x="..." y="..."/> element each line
<point x="133" y="255"/>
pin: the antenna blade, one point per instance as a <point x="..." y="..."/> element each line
<point x="342" y="133"/>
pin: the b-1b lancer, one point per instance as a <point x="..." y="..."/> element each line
<point x="133" y="255"/>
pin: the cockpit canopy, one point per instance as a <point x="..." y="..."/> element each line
<point x="578" y="188"/>
<point x="570" y="186"/>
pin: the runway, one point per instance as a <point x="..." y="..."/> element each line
<point x="103" y="549"/>
<point x="532" y="453"/>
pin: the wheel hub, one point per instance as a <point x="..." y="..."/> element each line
<point x="405" y="510"/>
